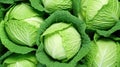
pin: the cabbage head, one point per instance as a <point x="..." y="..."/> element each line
<point x="99" y="14"/>
<point x="61" y="41"/>
<point x="103" y="53"/>
<point x="53" y="5"/>
<point x="22" y="23"/>
<point x="18" y="60"/>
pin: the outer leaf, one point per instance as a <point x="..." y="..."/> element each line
<point x="81" y="65"/>
<point x="107" y="33"/>
<point x="13" y="47"/>
<point x="20" y="60"/>
<point x="7" y="1"/>
<point x="75" y="5"/>
<point x="118" y="57"/>
<point x="62" y="16"/>
<point x="37" y="5"/>
<point x="10" y="1"/>
<point x="12" y="58"/>
<point x="40" y="65"/>
<point x="1" y="14"/>
<point x="1" y="65"/>
<point x="2" y="11"/>
<point x="6" y="54"/>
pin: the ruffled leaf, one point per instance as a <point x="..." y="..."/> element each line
<point x="62" y="16"/>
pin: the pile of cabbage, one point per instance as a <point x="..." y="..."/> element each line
<point x="59" y="33"/>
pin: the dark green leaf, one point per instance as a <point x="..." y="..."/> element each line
<point x="1" y="15"/>
<point x="37" y="5"/>
<point x="79" y="65"/>
<point x="1" y="65"/>
<point x="40" y="65"/>
<point x="76" y="8"/>
<point x="1" y="12"/>
<point x="2" y="49"/>
<point x="110" y="31"/>
<point x="7" y="1"/>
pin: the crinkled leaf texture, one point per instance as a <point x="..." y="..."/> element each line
<point x="10" y="45"/>
<point x="64" y="37"/>
<point x="62" y="16"/>
<point x="99" y="14"/>
<point x="53" y="5"/>
<point x="22" y="23"/>
<point x="21" y="34"/>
